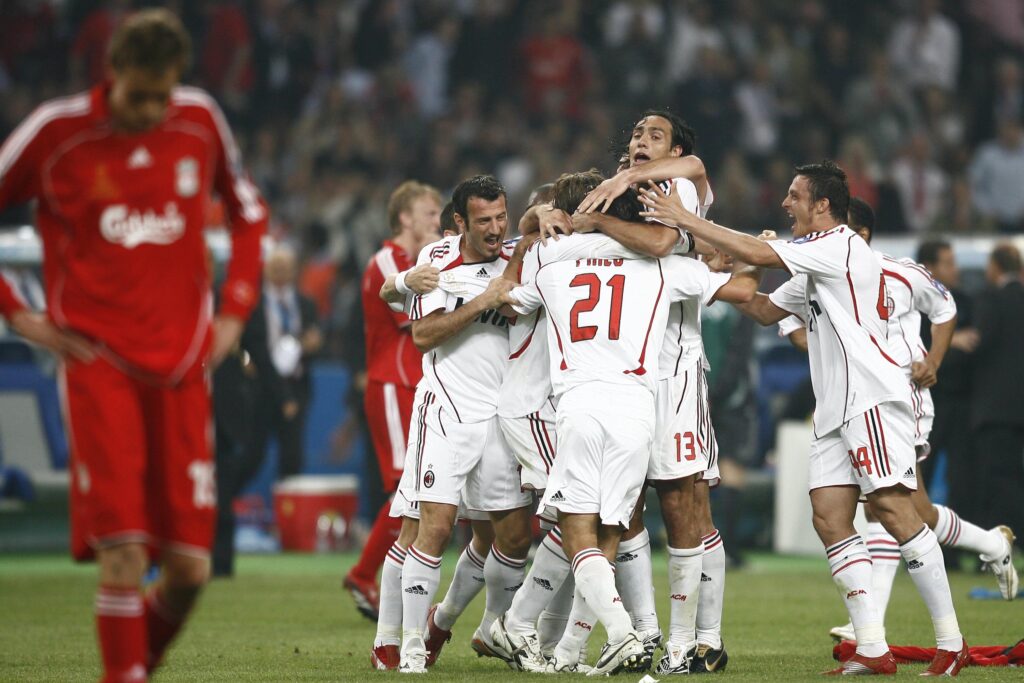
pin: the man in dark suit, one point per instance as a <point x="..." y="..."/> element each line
<point x="282" y="337"/>
<point x="997" y="397"/>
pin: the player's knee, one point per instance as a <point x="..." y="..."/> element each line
<point x="187" y="575"/>
<point x="122" y="565"/>
<point x="432" y="539"/>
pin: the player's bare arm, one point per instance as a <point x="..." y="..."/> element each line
<point x="440" y="326"/>
<point x="546" y="220"/>
<point x="422" y="279"/>
<point x="744" y="247"/>
<point x="741" y="287"/>
<point x="689" y="167"/>
<point x="645" y="238"/>
<point x="798" y="338"/>
<point x="38" y="329"/>
<point x="925" y="373"/>
<point x="762" y="310"/>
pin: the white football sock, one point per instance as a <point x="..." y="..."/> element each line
<point x="928" y="570"/>
<point x="467" y="582"/>
<point x="885" y="561"/>
<point x="956" y="533"/>
<point x="421" y="574"/>
<point x="578" y="628"/>
<point x="596" y="581"/>
<point x="684" y="570"/>
<point x="389" y="615"/>
<point x="851" y="572"/>
<point x="503" y="576"/>
<point x="546" y="576"/>
<point x="551" y="622"/>
<point x="633" y="581"/>
<point x="712" y="591"/>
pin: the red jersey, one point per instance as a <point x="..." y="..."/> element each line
<point x="121" y="219"/>
<point x="390" y="354"/>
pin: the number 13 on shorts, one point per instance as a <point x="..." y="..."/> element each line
<point x="685" y="442"/>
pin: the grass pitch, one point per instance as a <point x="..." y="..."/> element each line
<point x="285" y="618"/>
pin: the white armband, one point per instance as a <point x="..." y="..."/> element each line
<point x="400" y="284"/>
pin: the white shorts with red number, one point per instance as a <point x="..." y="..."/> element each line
<point x="924" y="414"/>
<point x="605" y="437"/>
<point x="532" y="440"/>
<point x="874" y="450"/>
<point x="684" y="441"/>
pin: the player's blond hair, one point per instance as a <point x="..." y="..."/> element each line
<point x="402" y="198"/>
<point x="154" y="40"/>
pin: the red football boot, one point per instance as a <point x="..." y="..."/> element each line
<point x="859" y="665"/>
<point x="436" y="638"/>
<point x="385" y="657"/>
<point x="365" y="593"/>
<point x="948" y="663"/>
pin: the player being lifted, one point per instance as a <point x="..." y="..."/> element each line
<point x="123" y="175"/>
<point x="605" y="377"/>
<point x="863" y="423"/>
<point x="912" y="291"/>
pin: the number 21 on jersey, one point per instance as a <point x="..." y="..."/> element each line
<point x="617" y="284"/>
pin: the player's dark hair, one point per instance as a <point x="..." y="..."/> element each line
<point x="153" y="40"/>
<point x="448" y="219"/>
<point x="682" y="134"/>
<point x="542" y="194"/>
<point x="827" y="181"/>
<point x="861" y="216"/>
<point x="571" y="188"/>
<point x="928" y="252"/>
<point x="485" y="187"/>
<point x="1006" y="258"/>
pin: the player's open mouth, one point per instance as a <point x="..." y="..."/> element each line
<point x="640" y="158"/>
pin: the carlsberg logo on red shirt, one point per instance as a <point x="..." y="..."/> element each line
<point x="130" y="229"/>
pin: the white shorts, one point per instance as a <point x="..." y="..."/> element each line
<point x="924" y="414"/>
<point x="874" y="450"/>
<point x="684" y="441"/>
<point x="462" y="464"/>
<point x="532" y="440"/>
<point x="605" y="436"/>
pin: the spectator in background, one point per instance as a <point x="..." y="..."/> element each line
<point x="925" y="48"/>
<point x="1008" y="94"/>
<point x="997" y="391"/>
<point x="282" y="337"/>
<point x="426" y="65"/>
<point x="89" y="49"/>
<point x="690" y="31"/>
<point x="880" y="108"/>
<point x="995" y="175"/>
<point x="555" y="69"/>
<point x="920" y="183"/>
<point x="710" y="107"/>
<point x="862" y="171"/>
<point x="226" y="54"/>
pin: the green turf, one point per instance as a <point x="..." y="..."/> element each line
<point x="284" y="618"/>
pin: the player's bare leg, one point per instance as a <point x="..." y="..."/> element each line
<point x="386" y="643"/>
<point x="833" y="510"/>
<point x="685" y="552"/>
<point x="120" y="611"/>
<point x="504" y="571"/>
<point x="421" y="575"/>
<point x="919" y="547"/>
<point x="633" y="577"/>
<point x="711" y="655"/>
<point x="170" y="599"/>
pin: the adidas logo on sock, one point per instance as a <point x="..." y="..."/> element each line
<point x="543" y="583"/>
<point x="416" y="590"/>
<point x="915" y="564"/>
<point x="704" y="577"/>
<point x="557" y="497"/>
<point x="482" y="273"/>
<point x="625" y="557"/>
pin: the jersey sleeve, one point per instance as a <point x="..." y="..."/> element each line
<point x="930" y="297"/>
<point x="789" y="325"/>
<point x="822" y="255"/>
<point x="791" y="295"/>
<point x="688" y="278"/>
<point x="247" y="218"/>
<point x="373" y="280"/>
<point x="20" y="157"/>
<point x="10" y="302"/>
<point x="528" y="298"/>
<point x="686" y="191"/>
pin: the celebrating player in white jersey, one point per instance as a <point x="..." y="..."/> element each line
<point x="461" y="457"/>
<point x="863" y="423"/>
<point x="913" y="291"/>
<point x="606" y="314"/>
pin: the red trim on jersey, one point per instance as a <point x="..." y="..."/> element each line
<point x="529" y="338"/>
<point x="884" y="354"/>
<point x="849" y="279"/>
<point x="679" y="341"/>
<point x="893" y="274"/>
<point x="686" y="383"/>
<point x="454" y="264"/>
<point x="641" y="370"/>
<point x="433" y="366"/>
<point x="558" y="337"/>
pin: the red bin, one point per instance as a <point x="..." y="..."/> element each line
<point x="315" y="512"/>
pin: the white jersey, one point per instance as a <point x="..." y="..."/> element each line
<point x="606" y="316"/>
<point x="465" y="372"/>
<point x="843" y="302"/>
<point x="683" y="345"/>
<point x="912" y="291"/>
<point x="527" y="386"/>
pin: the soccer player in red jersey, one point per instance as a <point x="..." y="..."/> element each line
<point x="123" y="175"/>
<point x="393" y="368"/>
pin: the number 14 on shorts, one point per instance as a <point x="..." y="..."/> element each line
<point x="684" y="447"/>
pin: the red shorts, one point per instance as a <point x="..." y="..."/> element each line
<point x="141" y="461"/>
<point x="388" y="411"/>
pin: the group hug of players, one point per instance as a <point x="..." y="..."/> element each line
<point x="563" y="372"/>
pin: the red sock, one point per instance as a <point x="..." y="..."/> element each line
<point x="162" y="625"/>
<point x="383" y="534"/>
<point x="121" y="626"/>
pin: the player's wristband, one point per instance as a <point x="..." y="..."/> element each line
<point x="400" y="284"/>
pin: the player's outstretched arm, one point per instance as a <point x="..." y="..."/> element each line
<point x="925" y="373"/>
<point x="689" y="167"/>
<point x="798" y="338"/>
<point x="741" y="287"/>
<point x="762" y="310"/>
<point x="649" y="239"/>
<point x="744" y="247"/>
<point x="438" y="327"/>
